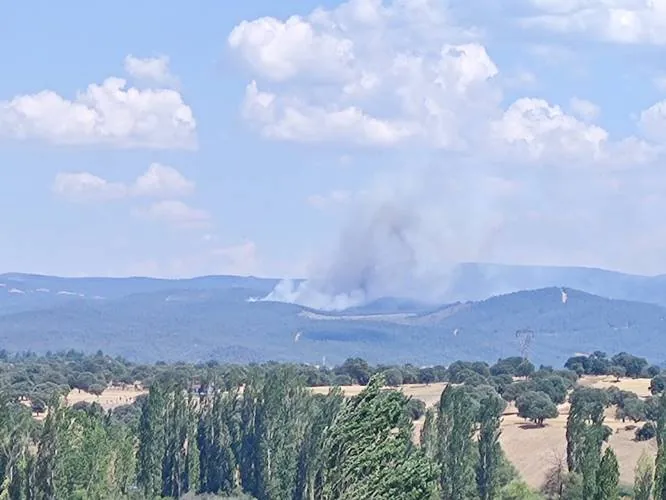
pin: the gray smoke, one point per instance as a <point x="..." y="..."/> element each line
<point x="402" y="242"/>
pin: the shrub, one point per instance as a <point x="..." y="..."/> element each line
<point x="647" y="432"/>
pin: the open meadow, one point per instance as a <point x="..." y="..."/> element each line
<point x="533" y="450"/>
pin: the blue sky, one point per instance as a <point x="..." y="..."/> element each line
<point x="293" y="138"/>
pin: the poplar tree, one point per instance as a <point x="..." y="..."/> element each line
<point x="151" y="442"/>
<point x="370" y="451"/>
<point x="643" y="478"/>
<point x="455" y="451"/>
<point x="490" y="451"/>
<point x="608" y="477"/>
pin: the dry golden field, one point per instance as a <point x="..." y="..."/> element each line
<point x="531" y="449"/>
<point x="112" y="397"/>
<point x="534" y="450"/>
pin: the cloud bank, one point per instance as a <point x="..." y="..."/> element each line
<point x="516" y="180"/>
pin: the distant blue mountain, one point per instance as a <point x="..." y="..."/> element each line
<point x="213" y="317"/>
<point x="475" y="281"/>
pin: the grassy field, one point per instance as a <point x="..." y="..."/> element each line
<point x="534" y="450"/>
<point x="111" y="398"/>
<point x="531" y="449"/>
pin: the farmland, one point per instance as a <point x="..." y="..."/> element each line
<point x="534" y="450"/>
<point x="531" y="449"/>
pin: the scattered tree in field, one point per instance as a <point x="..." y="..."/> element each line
<point x="633" y="409"/>
<point x="618" y="372"/>
<point x="658" y="384"/>
<point x="536" y="407"/>
<point x="212" y="429"/>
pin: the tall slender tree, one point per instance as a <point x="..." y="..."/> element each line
<point x="455" y="451"/>
<point x="660" y="462"/>
<point x="608" y="477"/>
<point x="644" y="478"/>
<point x="152" y="444"/>
<point x="490" y="451"/>
<point x="370" y="452"/>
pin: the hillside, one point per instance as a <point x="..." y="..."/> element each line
<point x="211" y="317"/>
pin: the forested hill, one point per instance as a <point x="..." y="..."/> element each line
<point x="211" y="318"/>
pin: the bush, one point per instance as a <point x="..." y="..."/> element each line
<point x="647" y="432"/>
<point x="342" y="380"/>
<point x="393" y="377"/>
<point x="416" y="408"/>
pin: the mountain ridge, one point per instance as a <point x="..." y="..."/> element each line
<point x="201" y="318"/>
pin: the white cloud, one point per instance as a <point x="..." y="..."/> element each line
<point x="584" y="109"/>
<point x="653" y="122"/>
<point x="162" y="181"/>
<point x="619" y="21"/>
<point x="150" y="69"/>
<point x="159" y="181"/>
<point x="108" y="114"/>
<point x="534" y="130"/>
<point x="175" y="212"/>
<point x="281" y="50"/>
<point x="385" y="74"/>
<point x="86" y="187"/>
<point x="296" y="121"/>
<point x="410" y="77"/>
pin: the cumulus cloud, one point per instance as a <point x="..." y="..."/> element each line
<point x="488" y="178"/>
<point x="407" y="76"/>
<point x="110" y="114"/>
<point x="86" y="187"/>
<point x="347" y="75"/>
<point x="584" y="109"/>
<point x="159" y="181"/>
<point x="150" y="69"/>
<point x="543" y="132"/>
<point x="162" y="181"/>
<point x="618" y="21"/>
<point x="175" y="212"/>
<point x="653" y="122"/>
<point x="281" y="50"/>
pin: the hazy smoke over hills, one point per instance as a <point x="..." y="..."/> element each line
<point x="402" y="242"/>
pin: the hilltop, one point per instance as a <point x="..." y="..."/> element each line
<point x="208" y="317"/>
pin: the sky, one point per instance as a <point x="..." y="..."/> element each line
<point x="314" y="138"/>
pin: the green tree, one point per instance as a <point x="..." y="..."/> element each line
<point x="455" y="454"/>
<point x="517" y="490"/>
<point x="536" y="407"/>
<point x="660" y="462"/>
<point x="370" y="451"/>
<point x="643" y="478"/>
<point x="313" y="454"/>
<point x="608" y="477"/>
<point x="152" y="442"/>
<point x="490" y="452"/>
<point x="633" y="409"/>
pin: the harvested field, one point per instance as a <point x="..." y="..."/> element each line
<point x="111" y="398"/>
<point x="534" y="450"/>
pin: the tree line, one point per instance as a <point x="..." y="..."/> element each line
<point x="259" y="432"/>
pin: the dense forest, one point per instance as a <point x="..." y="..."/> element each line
<point x="258" y="431"/>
